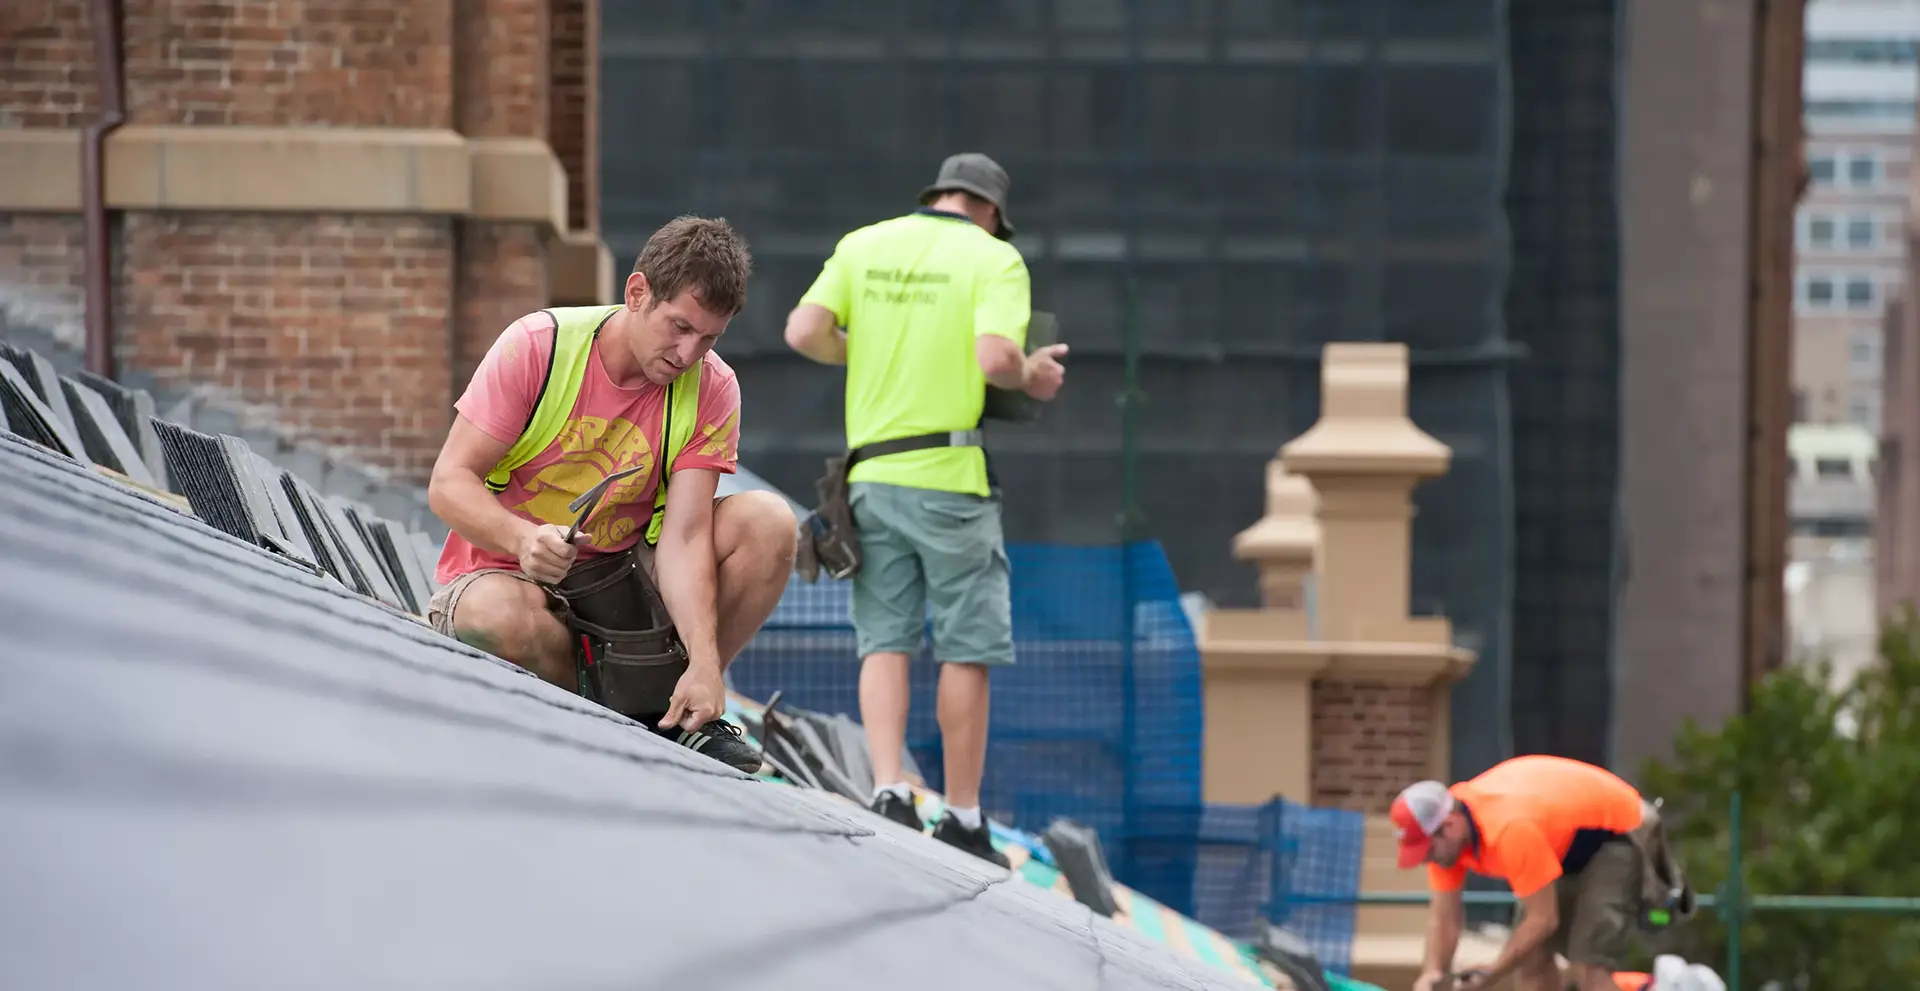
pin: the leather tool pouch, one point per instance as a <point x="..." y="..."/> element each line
<point x="635" y="657"/>
<point x="828" y="540"/>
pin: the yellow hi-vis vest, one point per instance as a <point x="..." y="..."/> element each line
<point x="575" y="328"/>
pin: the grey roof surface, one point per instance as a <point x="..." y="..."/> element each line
<point x="218" y="771"/>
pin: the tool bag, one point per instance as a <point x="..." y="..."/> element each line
<point x="626" y="649"/>
<point x="828" y="538"/>
<point x="1665" y="892"/>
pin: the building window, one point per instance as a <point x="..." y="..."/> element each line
<point x="1863" y="170"/>
<point x="1884" y="109"/>
<point x="1819" y="292"/>
<point x="1859" y="293"/>
<point x="1863" y="354"/>
<point x="1861" y="51"/>
<point x="1860" y="411"/>
<point x="1826" y="526"/>
<point x="1820" y="231"/>
<point x="1821" y="169"/>
<point x="1799" y="405"/>
<point x="1861" y="232"/>
<point x="1832" y="468"/>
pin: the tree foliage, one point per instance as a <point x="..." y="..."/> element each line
<point x="1830" y="787"/>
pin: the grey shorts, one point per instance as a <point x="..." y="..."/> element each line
<point x="923" y="548"/>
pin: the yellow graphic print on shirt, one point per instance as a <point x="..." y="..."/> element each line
<point x="717" y="438"/>
<point x="591" y="449"/>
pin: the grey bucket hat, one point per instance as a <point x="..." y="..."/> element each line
<point x="972" y="172"/>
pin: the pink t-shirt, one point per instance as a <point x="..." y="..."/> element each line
<point x="610" y="429"/>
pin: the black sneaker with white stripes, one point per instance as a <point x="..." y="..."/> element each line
<point x="718" y="739"/>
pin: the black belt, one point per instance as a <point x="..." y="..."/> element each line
<point x="1586" y="843"/>
<point x="918" y="442"/>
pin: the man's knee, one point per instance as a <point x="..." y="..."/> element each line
<point x="1591" y="977"/>
<point x="1538" y="970"/>
<point x="757" y="530"/>
<point x="508" y="617"/>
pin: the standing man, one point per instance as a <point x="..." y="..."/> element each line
<point x="530" y="437"/>
<point x="926" y="310"/>
<point x="1562" y="833"/>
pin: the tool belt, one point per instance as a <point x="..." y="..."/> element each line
<point x="1666" y="895"/>
<point x="626" y="650"/>
<point x="828" y="539"/>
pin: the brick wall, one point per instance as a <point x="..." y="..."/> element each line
<point x="357" y="63"/>
<point x="501" y="68"/>
<point x="359" y="329"/>
<point x="501" y="74"/>
<point x="503" y="277"/>
<point x="46" y="76"/>
<point x="573" y="121"/>
<point x="339" y="322"/>
<point x="41" y="270"/>
<point x="1369" y="741"/>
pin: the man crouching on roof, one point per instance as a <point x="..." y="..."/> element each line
<point x="519" y="452"/>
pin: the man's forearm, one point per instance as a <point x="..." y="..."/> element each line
<point x="1440" y="947"/>
<point x="462" y="501"/>
<point x="688" y="587"/>
<point x="1529" y="935"/>
<point x="1012" y="378"/>
<point x="828" y="346"/>
<point x="1443" y="939"/>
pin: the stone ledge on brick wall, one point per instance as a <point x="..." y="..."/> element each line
<point x="293" y="169"/>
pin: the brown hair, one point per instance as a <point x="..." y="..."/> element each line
<point x="697" y="254"/>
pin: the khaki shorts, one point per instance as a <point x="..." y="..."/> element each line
<point x="1599" y="907"/>
<point x="446" y="602"/>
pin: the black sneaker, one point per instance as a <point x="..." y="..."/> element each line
<point x="718" y="739"/>
<point x="977" y="841"/>
<point x="898" y="809"/>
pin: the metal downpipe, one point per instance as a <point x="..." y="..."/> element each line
<point x="108" y="63"/>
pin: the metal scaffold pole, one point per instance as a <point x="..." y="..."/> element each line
<point x="1733" y="903"/>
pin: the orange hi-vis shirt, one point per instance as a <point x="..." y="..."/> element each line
<point x="1527" y="813"/>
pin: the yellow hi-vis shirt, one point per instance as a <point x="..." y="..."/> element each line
<point x="913" y="293"/>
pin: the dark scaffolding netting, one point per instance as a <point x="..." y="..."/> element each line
<point x="1214" y="189"/>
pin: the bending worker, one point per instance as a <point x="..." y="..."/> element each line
<point x="566" y="400"/>
<point x="1563" y="834"/>
<point x="925" y="310"/>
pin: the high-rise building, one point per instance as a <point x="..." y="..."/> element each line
<point x="1859" y="85"/>
<point x="1860" y="81"/>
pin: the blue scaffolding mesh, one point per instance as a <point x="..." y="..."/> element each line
<point x="1101" y="713"/>
<point x="1099" y="722"/>
<point x="1245" y="865"/>
<point x="1317" y="877"/>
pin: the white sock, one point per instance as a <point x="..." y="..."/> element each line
<point x="901" y="790"/>
<point x="969" y="818"/>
